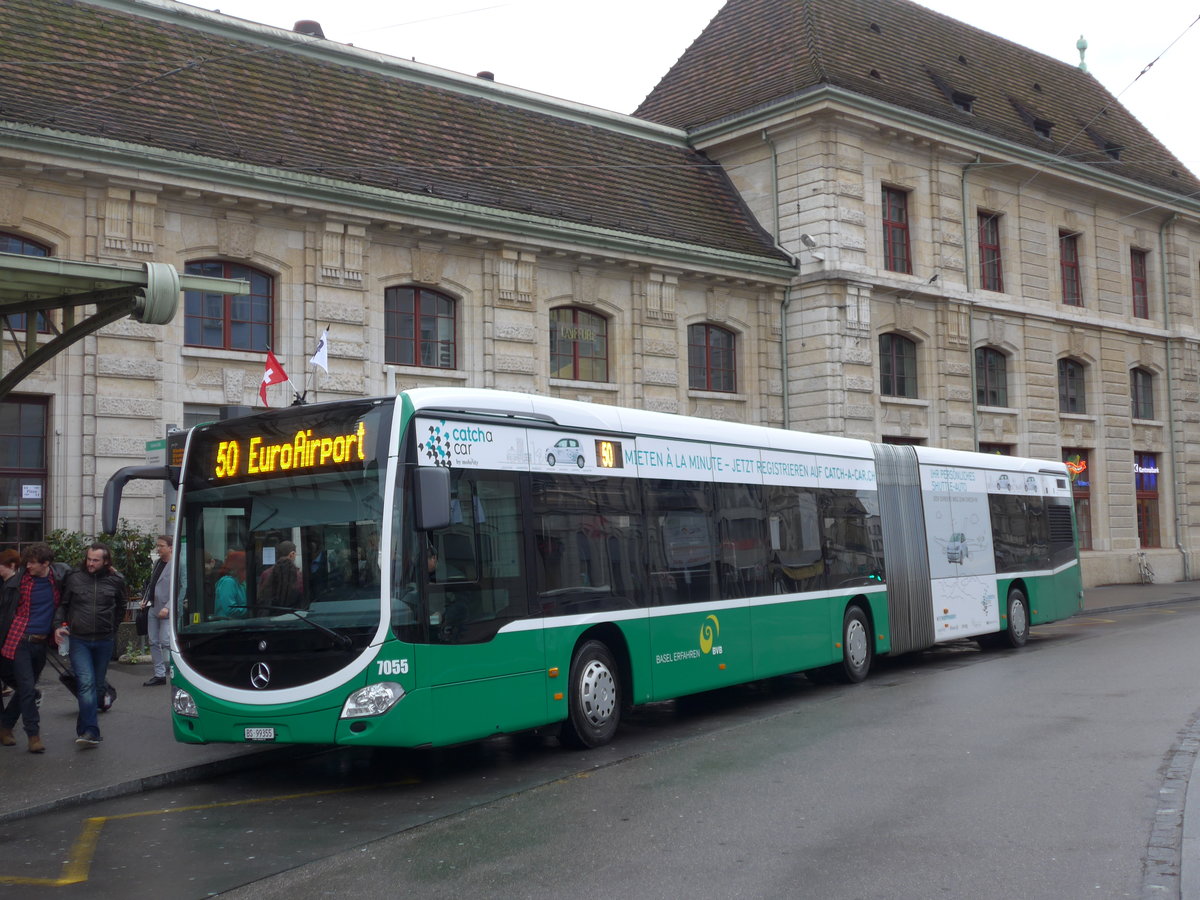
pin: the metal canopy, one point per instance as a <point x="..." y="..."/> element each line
<point x="148" y="293"/>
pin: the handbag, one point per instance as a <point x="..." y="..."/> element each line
<point x="142" y="620"/>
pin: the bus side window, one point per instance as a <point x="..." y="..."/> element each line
<point x="742" y="533"/>
<point x="479" y="582"/>
<point x="796" y="559"/>
<point x="682" y="552"/>
<point x="587" y="539"/>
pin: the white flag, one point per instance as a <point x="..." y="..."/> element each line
<point x="321" y="357"/>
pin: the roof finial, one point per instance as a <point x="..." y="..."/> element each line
<point x="1081" y="46"/>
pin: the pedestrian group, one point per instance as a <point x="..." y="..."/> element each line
<point x="45" y="605"/>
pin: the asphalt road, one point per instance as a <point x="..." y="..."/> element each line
<point x="1046" y="772"/>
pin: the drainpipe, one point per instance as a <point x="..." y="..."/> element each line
<point x="1178" y="488"/>
<point x="970" y="303"/>
<point x="787" y="296"/>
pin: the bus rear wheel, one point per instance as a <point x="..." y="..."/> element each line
<point x="856" y="646"/>
<point x="1018" y="620"/>
<point x="593" y="699"/>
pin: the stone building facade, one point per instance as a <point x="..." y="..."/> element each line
<point x="1039" y="294"/>
<point x="830" y="250"/>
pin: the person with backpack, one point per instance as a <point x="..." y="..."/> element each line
<point x="93" y="606"/>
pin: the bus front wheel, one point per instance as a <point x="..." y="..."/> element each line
<point x="594" y="697"/>
<point x="1018" y="620"/>
<point x="856" y="646"/>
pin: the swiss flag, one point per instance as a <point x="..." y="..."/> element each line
<point x="273" y="375"/>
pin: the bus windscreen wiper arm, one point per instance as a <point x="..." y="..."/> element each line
<point x="342" y="640"/>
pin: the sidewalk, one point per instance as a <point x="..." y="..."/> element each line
<point x="139" y="751"/>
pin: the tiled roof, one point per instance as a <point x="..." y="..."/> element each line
<point x="757" y="52"/>
<point x="174" y="81"/>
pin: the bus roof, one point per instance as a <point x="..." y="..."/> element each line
<point x="574" y="414"/>
<point x="936" y="456"/>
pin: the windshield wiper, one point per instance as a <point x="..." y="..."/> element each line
<point x="343" y="640"/>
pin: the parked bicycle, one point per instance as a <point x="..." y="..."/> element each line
<point x="1145" y="571"/>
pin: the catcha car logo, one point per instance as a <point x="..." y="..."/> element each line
<point x="260" y="675"/>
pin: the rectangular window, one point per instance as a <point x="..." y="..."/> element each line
<point x="991" y="276"/>
<point x="23" y="423"/>
<point x="199" y="414"/>
<point x="896" y="250"/>
<point x="588" y="548"/>
<point x="996" y="449"/>
<point x="1141" y="298"/>
<point x="1071" y="396"/>
<point x="991" y="377"/>
<point x="1020" y="533"/>
<point x="478" y="579"/>
<point x="711" y="359"/>
<point x="1078" y="464"/>
<point x="897" y="366"/>
<point x="1141" y="391"/>
<point x="1145" y="479"/>
<point x="681" y="546"/>
<point x="742" y="538"/>
<point x="1068" y="250"/>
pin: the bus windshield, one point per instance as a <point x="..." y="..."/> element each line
<point x="279" y="541"/>
<point x="307" y="549"/>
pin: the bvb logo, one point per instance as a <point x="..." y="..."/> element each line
<point x="708" y="633"/>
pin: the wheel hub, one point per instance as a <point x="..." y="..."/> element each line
<point x="598" y="692"/>
<point x="856" y="643"/>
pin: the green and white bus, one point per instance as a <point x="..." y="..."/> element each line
<point x="449" y="564"/>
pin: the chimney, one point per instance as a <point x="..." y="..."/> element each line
<point x="310" y="27"/>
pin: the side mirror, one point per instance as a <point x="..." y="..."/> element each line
<point x="431" y="497"/>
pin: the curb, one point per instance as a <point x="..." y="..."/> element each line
<point x="166" y="779"/>
<point x="1142" y="605"/>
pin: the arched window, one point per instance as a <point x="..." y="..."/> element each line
<point x="578" y="345"/>
<point x="712" y="359"/>
<point x="420" y="328"/>
<point x="897" y="366"/>
<point x="14" y="243"/>
<point x="1141" y="393"/>
<point x="230" y="321"/>
<point x="1071" y="398"/>
<point x="991" y="377"/>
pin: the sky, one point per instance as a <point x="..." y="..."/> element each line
<point x="611" y="55"/>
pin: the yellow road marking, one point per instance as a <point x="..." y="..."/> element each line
<point x="79" y="862"/>
<point x="1077" y="620"/>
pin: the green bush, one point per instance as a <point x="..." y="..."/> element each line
<point x="132" y="552"/>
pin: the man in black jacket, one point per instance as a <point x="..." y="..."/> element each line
<point x="93" y="605"/>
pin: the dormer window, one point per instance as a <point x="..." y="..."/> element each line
<point x="1111" y="150"/>
<point x="961" y="100"/>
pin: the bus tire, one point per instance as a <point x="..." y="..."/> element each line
<point x="856" y="646"/>
<point x="593" y="698"/>
<point x="1017" y="632"/>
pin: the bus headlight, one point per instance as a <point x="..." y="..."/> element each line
<point x="183" y="704"/>
<point x="373" y="700"/>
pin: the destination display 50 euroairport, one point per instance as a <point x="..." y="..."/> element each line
<point x="286" y="446"/>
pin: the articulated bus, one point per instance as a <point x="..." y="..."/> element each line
<point x="449" y="564"/>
